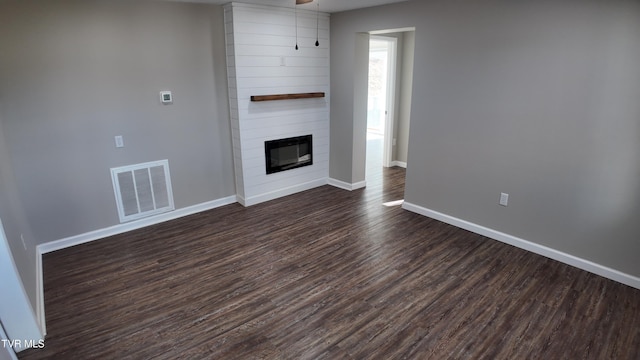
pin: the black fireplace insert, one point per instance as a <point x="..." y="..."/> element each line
<point x="289" y="153"/>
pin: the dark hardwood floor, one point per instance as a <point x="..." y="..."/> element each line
<point x="326" y="274"/>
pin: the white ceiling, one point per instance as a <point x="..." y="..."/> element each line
<point x="329" y="6"/>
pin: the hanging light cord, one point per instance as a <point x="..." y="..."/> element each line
<point x="318" y="23"/>
<point x="295" y="9"/>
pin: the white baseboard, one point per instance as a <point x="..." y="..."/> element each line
<point x="257" y="199"/>
<point x="359" y="185"/>
<point x="568" y="259"/>
<point x="401" y="164"/>
<point x="347" y="186"/>
<point x="133" y="225"/>
<point x="242" y="200"/>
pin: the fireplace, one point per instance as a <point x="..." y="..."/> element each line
<point x="289" y="153"/>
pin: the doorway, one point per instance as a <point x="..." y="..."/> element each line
<point x="381" y="102"/>
<point x="389" y="92"/>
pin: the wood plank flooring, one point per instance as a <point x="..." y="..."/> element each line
<point x="326" y="274"/>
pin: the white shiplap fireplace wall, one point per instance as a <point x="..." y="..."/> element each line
<point x="262" y="60"/>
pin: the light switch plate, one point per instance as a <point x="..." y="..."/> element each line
<point x="504" y="199"/>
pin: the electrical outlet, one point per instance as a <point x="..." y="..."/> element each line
<point x="119" y="141"/>
<point x="504" y="199"/>
<point x="24" y="243"/>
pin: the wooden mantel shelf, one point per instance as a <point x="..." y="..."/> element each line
<point x="287" y="96"/>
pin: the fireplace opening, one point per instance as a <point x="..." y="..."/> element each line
<point x="289" y="153"/>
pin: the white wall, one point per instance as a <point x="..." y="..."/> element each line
<point x="262" y="60"/>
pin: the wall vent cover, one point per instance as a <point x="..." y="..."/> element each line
<point x="142" y="190"/>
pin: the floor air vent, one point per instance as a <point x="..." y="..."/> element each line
<point x="142" y="190"/>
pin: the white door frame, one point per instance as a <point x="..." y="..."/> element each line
<point x="17" y="316"/>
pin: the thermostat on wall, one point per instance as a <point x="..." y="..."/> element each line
<point x="166" y="97"/>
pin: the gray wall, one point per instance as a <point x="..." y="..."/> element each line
<point x="538" y="99"/>
<point x="76" y="73"/>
